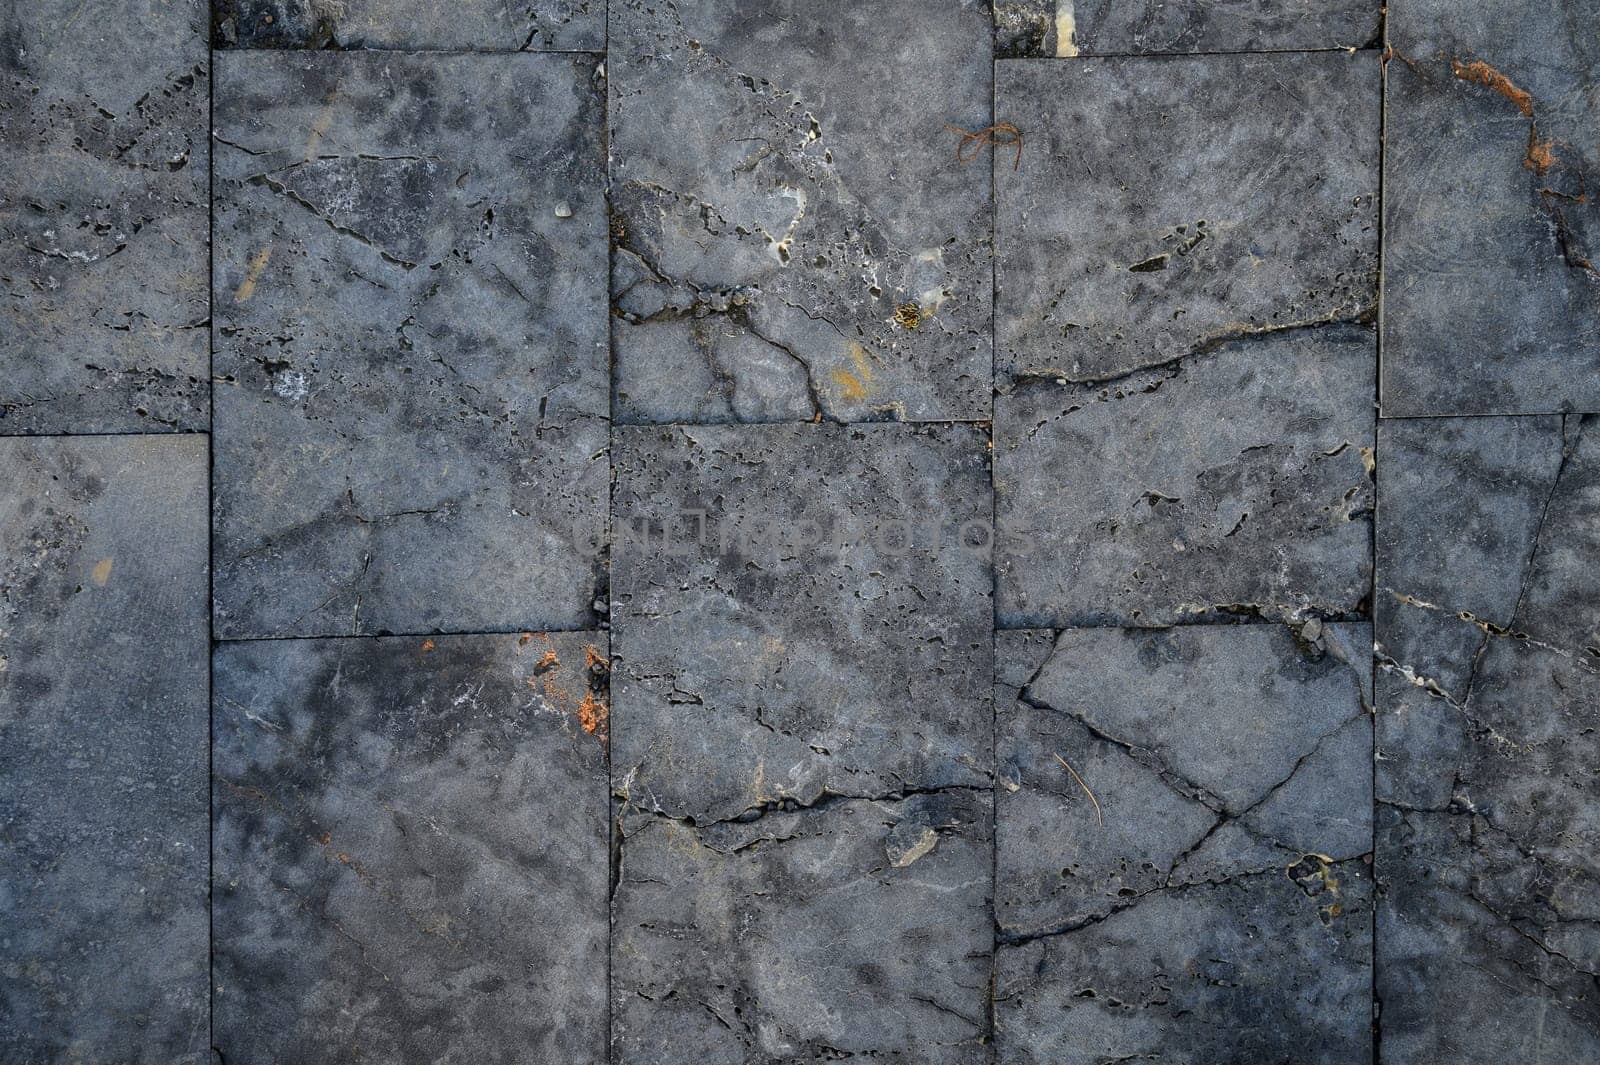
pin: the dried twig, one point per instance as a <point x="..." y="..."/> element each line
<point x="1002" y="134"/>
<point x="1098" y="816"/>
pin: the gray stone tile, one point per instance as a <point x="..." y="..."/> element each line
<point x="1212" y="900"/>
<point x="1162" y="206"/>
<point x="103" y="218"/>
<point x="813" y="641"/>
<point x="103" y="749"/>
<point x="411" y="849"/>
<point x="474" y="25"/>
<point x="855" y="928"/>
<point x="1491" y="226"/>
<point x="1233" y="483"/>
<point x="411" y="414"/>
<point x="1489" y="699"/>
<point x="795" y="237"/>
<point x="1025" y="28"/>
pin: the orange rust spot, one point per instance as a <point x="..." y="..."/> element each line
<point x="1483" y="74"/>
<point x="522" y="641"/>
<point x="593" y="714"/>
<point x="427" y="645"/>
<point x="1541" y="154"/>
<point x="592" y="657"/>
<point x="550" y="660"/>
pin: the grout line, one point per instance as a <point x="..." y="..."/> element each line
<point x="211" y="540"/>
<point x="1374" y="1016"/>
<point x="1483" y="414"/>
<point x="85" y="436"/>
<point x="1199" y="623"/>
<point x="1347" y="50"/>
<point x="613" y="857"/>
<point x="994" y="579"/>
<point x="223" y="641"/>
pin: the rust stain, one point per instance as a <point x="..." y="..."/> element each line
<point x="1541" y="154"/>
<point x="593" y="715"/>
<point x="1482" y="73"/>
<point x="252" y="274"/>
<point x="548" y="661"/>
<point x="102" y="573"/>
<point x="427" y="645"/>
<point x="854" y="386"/>
<point x="592" y="658"/>
<point x="524" y="640"/>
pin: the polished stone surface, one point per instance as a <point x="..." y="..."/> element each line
<point x="1066" y="28"/>
<point x="410" y="287"/>
<point x="103" y="750"/>
<point x="1491" y="226"/>
<point x="103" y="217"/>
<point x="1183" y="836"/>
<point x="795" y="237"/>
<point x="820" y="631"/>
<point x="411" y="849"/>
<point x="471" y="25"/>
<point x="1145" y="222"/>
<point x="1233" y="484"/>
<point x="1489" y="703"/>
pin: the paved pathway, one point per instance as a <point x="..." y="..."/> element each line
<point x="718" y="532"/>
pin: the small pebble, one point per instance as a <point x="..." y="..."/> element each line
<point x="563" y="209"/>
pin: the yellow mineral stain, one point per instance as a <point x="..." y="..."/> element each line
<point x="854" y="386"/>
<point x="102" y="573"/>
<point x="319" y="128"/>
<point x="1066" y="28"/>
<point x="247" y="287"/>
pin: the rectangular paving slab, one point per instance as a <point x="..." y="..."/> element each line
<point x="103" y="218"/>
<point x="411" y="849"/>
<point x="1160" y="206"/>
<point x="411" y="420"/>
<point x="794" y="616"/>
<point x="1066" y="28"/>
<point x="1234" y="483"/>
<point x="1489" y="643"/>
<point x="103" y="749"/>
<point x="851" y="929"/>
<point x="1491" y="225"/>
<point x="796" y="236"/>
<point x="472" y="25"/>
<point x="1182" y="844"/>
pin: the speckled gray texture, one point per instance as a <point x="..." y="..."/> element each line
<point x="474" y="25"/>
<point x="411" y="842"/>
<point x="103" y="750"/>
<point x="807" y="935"/>
<point x="1147" y="222"/>
<point x="411" y="420"/>
<point x="1066" y="28"/>
<point x="103" y="216"/>
<point x="752" y="670"/>
<point x="1491" y="225"/>
<point x="1233" y="483"/>
<point x="1489" y="630"/>
<point x="795" y="237"/>
<point x="1212" y="901"/>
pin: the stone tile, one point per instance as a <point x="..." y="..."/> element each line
<point x="807" y="638"/>
<point x="103" y="749"/>
<point x="411" y="409"/>
<point x="1162" y="206"/>
<point x="480" y="25"/>
<point x="795" y="236"/>
<point x="1491" y="229"/>
<point x="1236" y="482"/>
<point x="854" y="928"/>
<point x="103" y="218"/>
<point x="1025" y="28"/>
<point x="1212" y="900"/>
<point x="1489" y="628"/>
<point x="411" y="842"/>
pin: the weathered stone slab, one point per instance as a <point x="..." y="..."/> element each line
<point x="795" y="236"/>
<point x="1491" y="225"/>
<point x="1489" y="629"/>
<point x="103" y="217"/>
<point x="1162" y="206"/>
<point x="807" y="638"/>
<point x="412" y="396"/>
<point x="854" y="928"/>
<point x="1025" y="28"/>
<point x="1232" y="483"/>
<point x="103" y="749"/>
<point x="1181" y="871"/>
<point x="411" y="849"/>
<point x="475" y="25"/>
